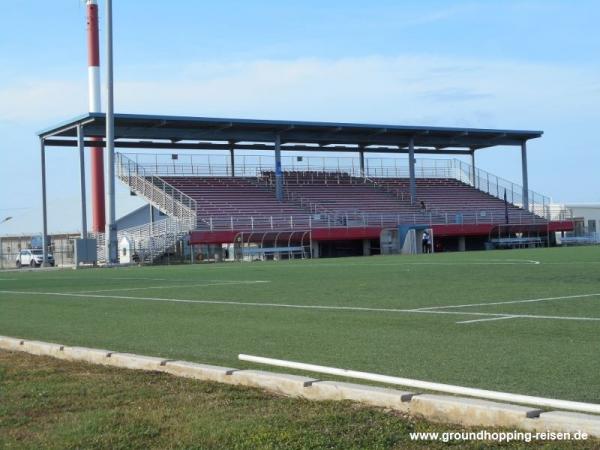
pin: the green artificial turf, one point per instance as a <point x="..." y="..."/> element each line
<point x="536" y="356"/>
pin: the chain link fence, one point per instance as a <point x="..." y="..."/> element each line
<point x="61" y="247"/>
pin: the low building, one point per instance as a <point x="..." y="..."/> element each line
<point x="586" y="217"/>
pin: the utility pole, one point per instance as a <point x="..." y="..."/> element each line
<point x="111" y="226"/>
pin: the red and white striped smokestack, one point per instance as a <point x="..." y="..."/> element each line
<point x="97" y="158"/>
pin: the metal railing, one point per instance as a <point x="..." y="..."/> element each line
<point x="352" y="177"/>
<point x="353" y="219"/>
<point x="157" y="191"/>
<point x="453" y="168"/>
<point x="253" y="166"/>
<point x="152" y="240"/>
<point x="148" y="241"/>
<point x="245" y="165"/>
<point x="348" y="168"/>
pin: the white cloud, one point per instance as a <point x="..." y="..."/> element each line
<point x="405" y="89"/>
<point x="33" y="100"/>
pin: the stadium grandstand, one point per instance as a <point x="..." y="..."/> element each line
<point x="224" y="188"/>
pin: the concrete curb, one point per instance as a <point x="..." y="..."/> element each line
<point x="369" y="395"/>
<point x="136" y="362"/>
<point x="471" y="411"/>
<point x="280" y="383"/>
<point x="437" y="408"/>
<point x="202" y="372"/>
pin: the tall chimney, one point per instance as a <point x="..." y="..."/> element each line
<point x="97" y="158"/>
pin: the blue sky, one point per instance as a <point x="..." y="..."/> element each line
<point x="505" y="64"/>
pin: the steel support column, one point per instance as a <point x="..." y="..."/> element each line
<point x="525" y="175"/>
<point x="232" y="158"/>
<point x="278" y="170"/>
<point x="44" y="206"/>
<point x="80" y="144"/>
<point x="411" y="171"/>
<point x="361" y="156"/>
<point x="473" y="170"/>
<point x="111" y="226"/>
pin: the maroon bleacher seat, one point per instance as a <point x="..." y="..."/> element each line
<point x="250" y="203"/>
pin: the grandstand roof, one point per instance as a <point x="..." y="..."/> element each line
<point x="203" y="133"/>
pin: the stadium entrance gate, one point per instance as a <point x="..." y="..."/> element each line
<point x="404" y="239"/>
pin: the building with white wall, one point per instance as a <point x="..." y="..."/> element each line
<point x="586" y="217"/>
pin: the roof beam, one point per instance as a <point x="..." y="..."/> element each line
<point x="177" y="129"/>
<point x="251" y="146"/>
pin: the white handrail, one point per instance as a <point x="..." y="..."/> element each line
<point x="157" y="191"/>
<point x="430" y="386"/>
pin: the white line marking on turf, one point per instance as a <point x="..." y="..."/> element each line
<point x="284" y="305"/>
<point x="500" y="262"/>
<point x="488" y="320"/>
<point x="219" y="283"/>
<point x="174" y="280"/>
<point x="510" y="302"/>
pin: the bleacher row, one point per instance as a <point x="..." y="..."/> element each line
<point x="338" y="199"/>
<point x="238" y="203"/>
<point x="453" y="197"/>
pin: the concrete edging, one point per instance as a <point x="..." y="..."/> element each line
<point x="438" y="408"/>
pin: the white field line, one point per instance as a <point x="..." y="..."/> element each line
<point x="216" y="283"/>
<point x="488" y="320"/>
<point x="174" y="280"/>
<point x="293" y="306"/>
<point x="510" y="262"/>
<point x="510" y="302"/>
<point x="144" y="279"/>
<point x="504" y="262"/>
<point x="560" y="263"/>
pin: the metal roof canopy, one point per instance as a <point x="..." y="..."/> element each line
<point x="201" y="133"/>
<point x="198" y="133"/>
